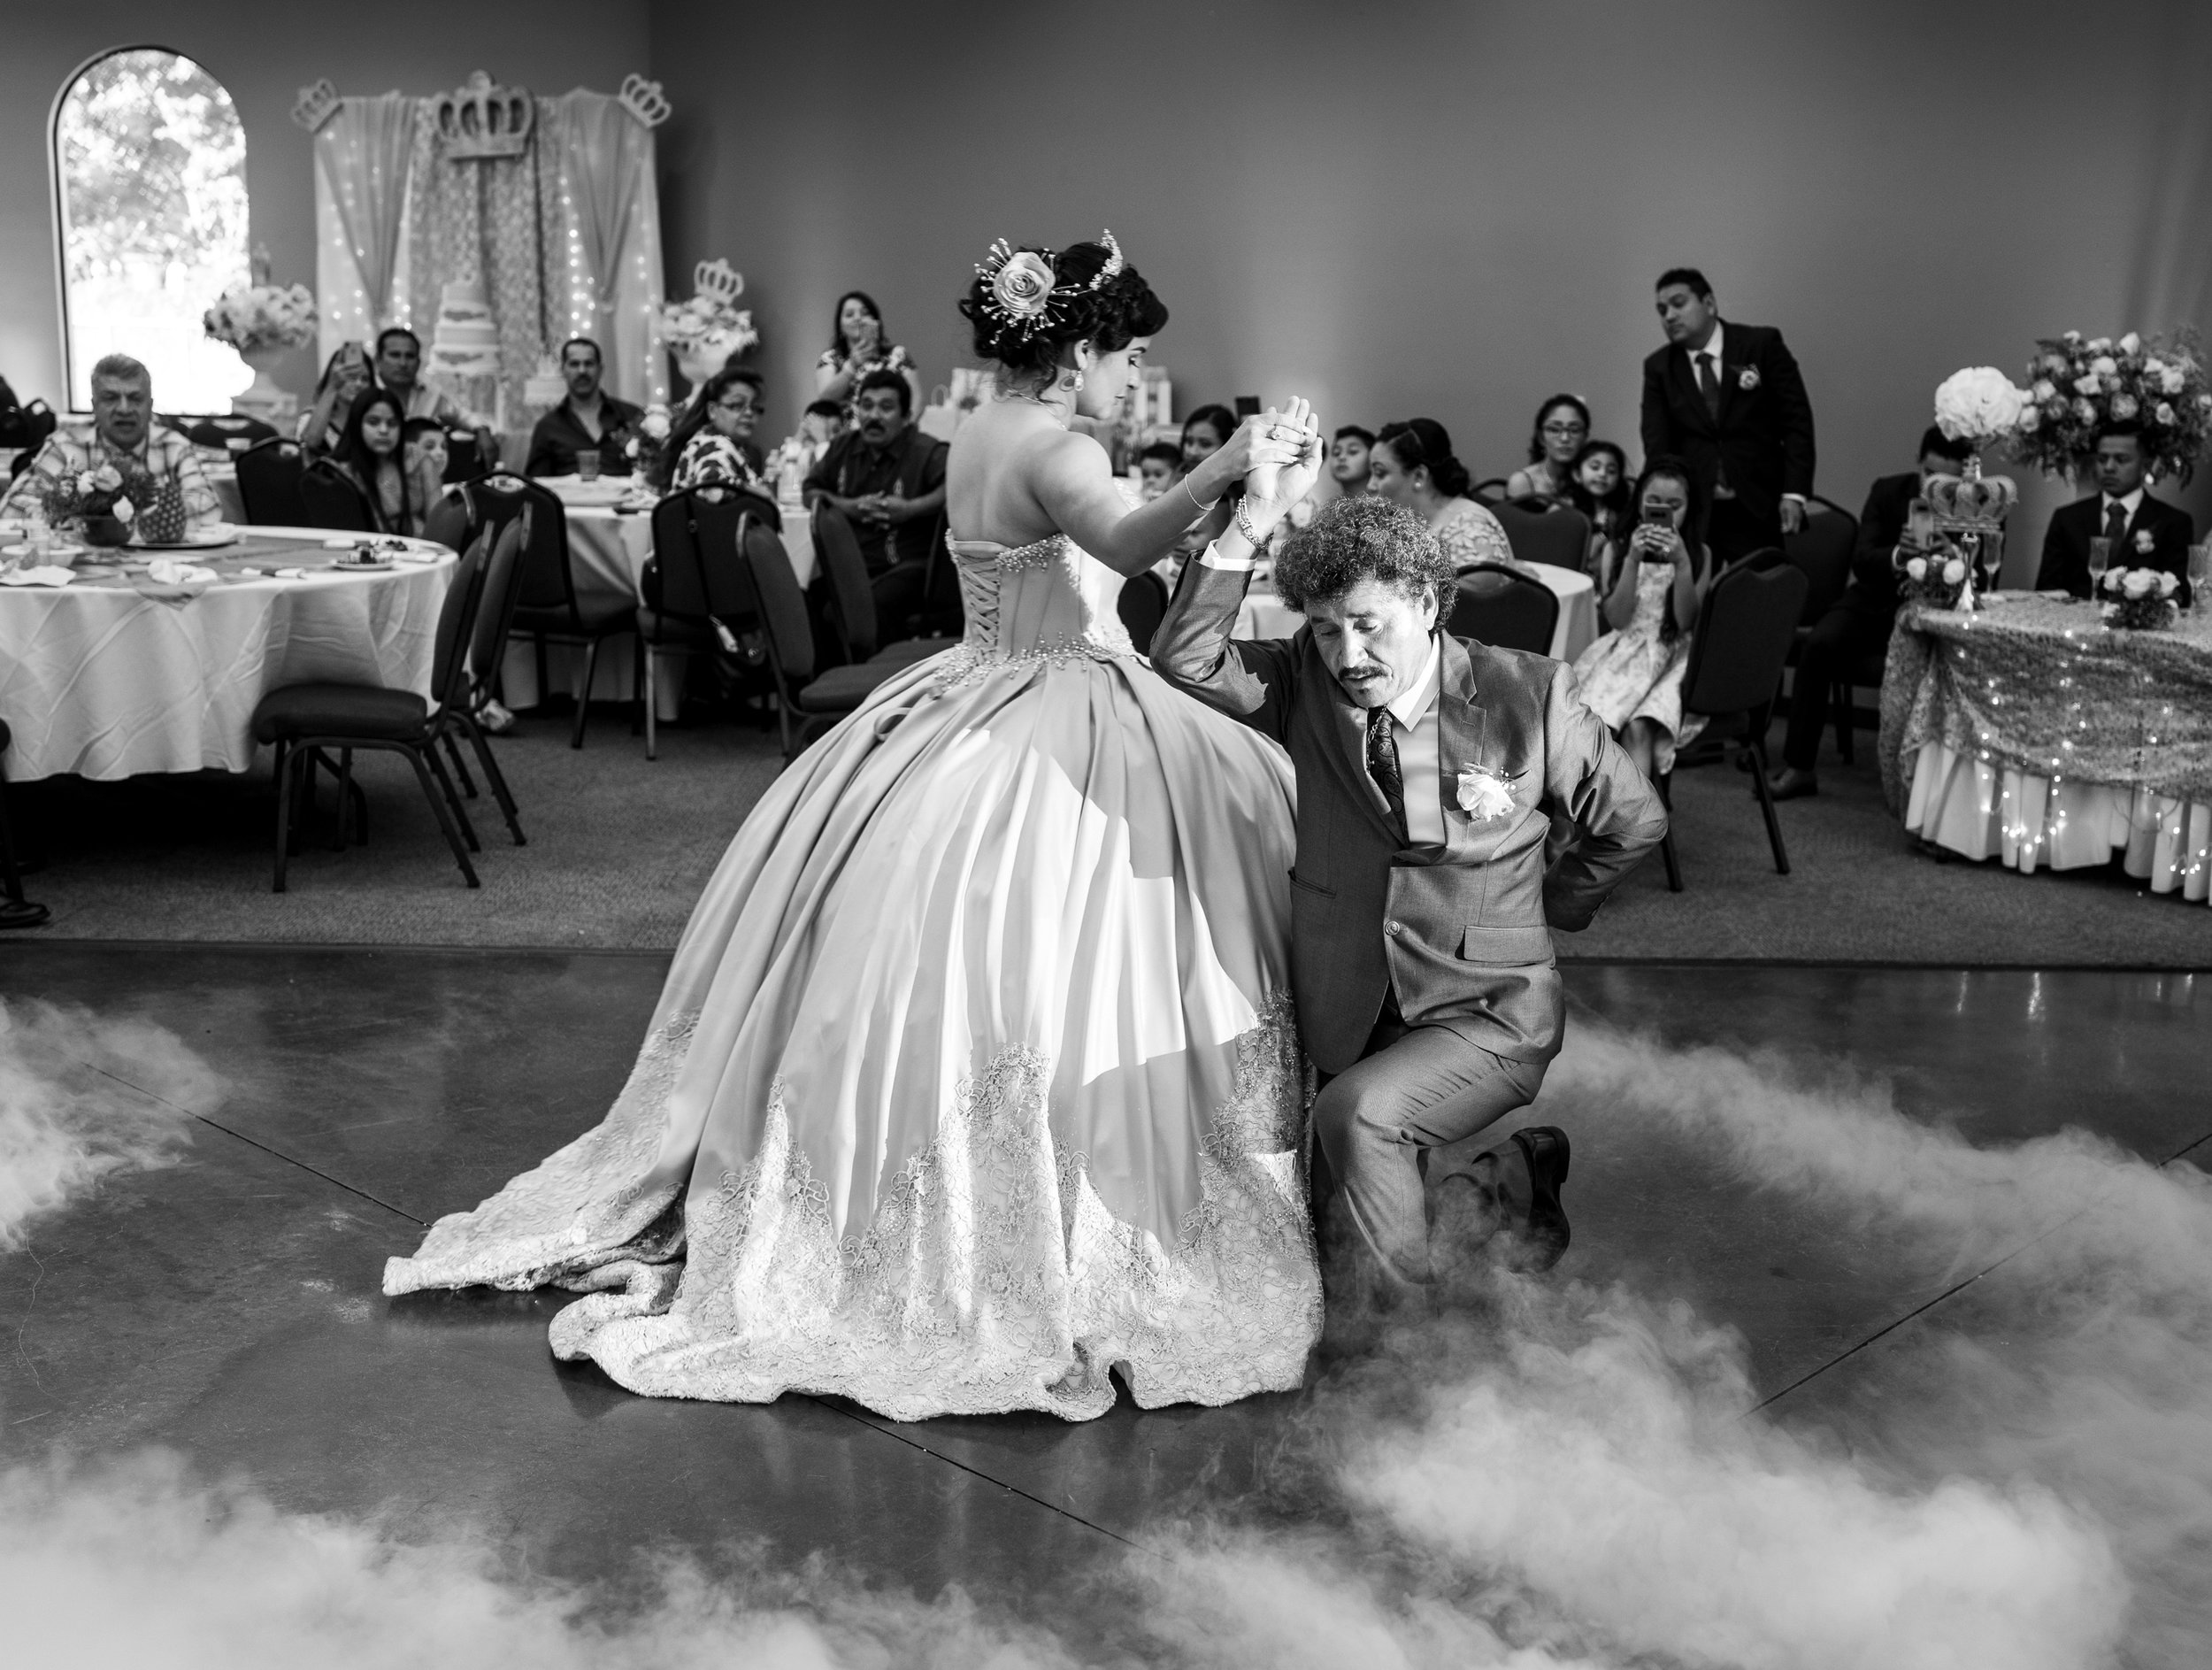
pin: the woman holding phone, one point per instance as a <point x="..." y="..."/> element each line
<point x="1632" y="678"/>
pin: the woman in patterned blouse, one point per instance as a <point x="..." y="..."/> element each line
<point x="1411" y="464"/>
<point x="856" y="347"/>
<point x="713" y="443"/>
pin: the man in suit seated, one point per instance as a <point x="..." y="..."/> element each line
<point x="1729" y="399"/>
<point x="2144" y="532"/>
<point x="1430" y="769"/>
<point x="1857" y="623"/>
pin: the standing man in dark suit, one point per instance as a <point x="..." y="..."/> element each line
<point x="1731" y="400"/>
<point x="2144" y="532"/>
<point x="1858" y="622"/>
<point x="1429" y="771"/>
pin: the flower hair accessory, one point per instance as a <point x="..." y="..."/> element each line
<point x="1019" y="284"/>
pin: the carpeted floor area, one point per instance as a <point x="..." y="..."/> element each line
<point x="621" y="847"/>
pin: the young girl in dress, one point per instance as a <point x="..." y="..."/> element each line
<point x="1598" y="488"/>
<point x="1632" y="678"/>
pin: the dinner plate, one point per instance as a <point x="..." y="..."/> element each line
<point x="52" y="550"/>
<point x="353" y="566"/>
<point x="206" y="539"/>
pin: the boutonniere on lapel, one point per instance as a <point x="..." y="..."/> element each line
<point x="1483" y="794"/>
<point x="1747" y="378"/>
<point x="2144" y="543"/>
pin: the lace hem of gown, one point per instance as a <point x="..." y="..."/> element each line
<point x="993" y="1277"/>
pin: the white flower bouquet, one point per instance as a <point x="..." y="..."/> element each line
<point x="707" y="327"/>
<point x="1935" y="578"/>
<point x="2078" y="386"/>
<point x="1979" y="406"/>
<point x="263" y="316"/>
<point x="2138" y="599"/>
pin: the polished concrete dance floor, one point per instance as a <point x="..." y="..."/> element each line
<point x="228" y="1307"/>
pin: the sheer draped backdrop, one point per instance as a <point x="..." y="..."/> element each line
<point x="566" y="237"/>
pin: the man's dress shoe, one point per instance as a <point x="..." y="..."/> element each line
<point x="1543" y="1238"/>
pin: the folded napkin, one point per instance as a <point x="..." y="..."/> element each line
<point x="289" y="573"/>
<point x="169" y="571"/>
<point x="343" y="544"/>
<point x="51" y="575"/>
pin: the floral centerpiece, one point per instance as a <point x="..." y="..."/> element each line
<point x="263" y="321"/>
<point x="101" y="503"/>
<point x="1936" y="578"/>
<point x="2138" y="599"/>
<point x="1959" y="524"/>
<point x="705" y="330"/>
<point x="2080" y="386"/>
<point x="647" y="449"/>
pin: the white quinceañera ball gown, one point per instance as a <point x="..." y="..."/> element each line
<point x="976" y="1073"/>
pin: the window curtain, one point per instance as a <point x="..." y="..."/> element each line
<point x="361" y="180"/>
<point x="603" y="268"/>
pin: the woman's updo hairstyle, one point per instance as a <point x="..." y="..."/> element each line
<point x="1421" y="441"/>
<point x="1120" y="310"/>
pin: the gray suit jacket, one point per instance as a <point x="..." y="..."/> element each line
<point x="1459" y="932"/>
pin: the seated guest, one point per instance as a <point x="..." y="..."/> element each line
<point x="1857" y="623"/>
<point x="858" y="347"/>
<point x="422" y="459"/>
<point x="372" y="455"/>
<point x="885" y="475"/>
<point x="1348" y="451"/>
<point x="713" y="442"/>
<point x="1205" y="432"/>
<point x="2144" y="532"/>
<point x="125" y="437"/>
<point x="1411" y="464"/>
<point x="344" y="380"/>
<point x="1598" y="487"/>
<point x="1632" y="677"/>
<point x="1563" y="424"/>
<point x="1159" y="467"/>
<point x="588" y="420"/>
<point x="399" y="370"/>
<point x="823" y="421"/>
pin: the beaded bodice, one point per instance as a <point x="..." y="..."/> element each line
<point x="1047" y="598"/>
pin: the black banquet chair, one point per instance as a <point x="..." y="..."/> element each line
<point x="15" y="910"/>
<point x="697" y="596"/>
<point x="269" y="476"/>
<point x="1495" y="605"/>
<point x="303" y="721"/>
<point x="1560" y="536"/>
<point x="229" y="432"/>
<point x="1744" y="632"/>
<point x="328" y="498"/>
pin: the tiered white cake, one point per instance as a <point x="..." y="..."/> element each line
<point x="464" y="342"/>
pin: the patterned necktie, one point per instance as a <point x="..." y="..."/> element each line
<point x="1382" y="766"/>
<point x="2115" y="524"/>
<point x="1709" y="384"/>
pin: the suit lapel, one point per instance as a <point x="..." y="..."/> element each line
<point x="1459" y="727"/>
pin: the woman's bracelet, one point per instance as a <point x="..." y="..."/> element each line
<point x="1244" y="526"/>
<point x="1202" y="508"/>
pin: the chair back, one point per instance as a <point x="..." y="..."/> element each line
<point x="27" y="426"/>
<point x="1491" y="492"/>
<point x="1744" y="632"/>
<point x="456" y="625"/>
<point x="231" y="433"/>
<point x="462" y="460"/>
<point x="269" y="482"/>
<point x="782" y="605"/>
<point x="698" y="570"/>
<point x="543" y="579"/>
<point x="1559" y="537"/>
<point x="329" y="498"/>
<point x="837" y="548"/>
<point x="1507" y="610"/>
<point x="495" y="613"/>
<point x="1822" y="549"/>
<point x="1143" y="605"/>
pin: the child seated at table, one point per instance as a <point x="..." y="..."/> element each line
<point x="1159" y="466"/>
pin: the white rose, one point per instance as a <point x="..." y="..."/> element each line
<point x="2030" y="420"/>
<point x="1953" y="572"/>
<point x="2103" y="365"/>
<point x="2171" y="381"/>
<point x="2045" y="388"/>
<point x="2124" y="406"/>
<point x="2098" y="344"/>
<point x="2137" y="583"/>
<point x="655" y="425"/>
<point x="1917" y="567"/>
<point x="2083" y="411"/>
<point x="2167" y="585"/>
<point x="2164" y="414"/>
<point x="2130" y="342"/>
<point x="123" y="510"/>
<point x="2085" y="385"/>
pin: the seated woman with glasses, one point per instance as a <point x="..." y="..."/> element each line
<point x="713" y="442"/>
<point x="1563" y="424"/>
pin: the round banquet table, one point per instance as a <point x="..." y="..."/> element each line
<point x="1264" y="615"/>
<point x="100" y="679"/>
<point x="609" y="545"/>
<point x="2031" y="733"/>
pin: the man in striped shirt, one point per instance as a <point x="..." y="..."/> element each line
<point x="125" y="437"/>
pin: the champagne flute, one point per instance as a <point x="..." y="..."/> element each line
<point x="2099" y="559"/>
<point x="2199" y="575"/>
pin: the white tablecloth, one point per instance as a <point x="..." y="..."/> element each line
<point x="1985" y="810"/>
<point x="101" y="682"/>
<point x="608" y="550"/>
<point x="1264" y="615"/>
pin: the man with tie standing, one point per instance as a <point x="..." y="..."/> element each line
<point x="1431" y="770"/>
<point x="2144" y="532"/>
<point x="1730" y="399"/>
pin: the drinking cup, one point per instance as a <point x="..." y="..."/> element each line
<point x="587" y="465"/>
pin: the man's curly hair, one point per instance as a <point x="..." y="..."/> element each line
<point x="1353" y="538"/>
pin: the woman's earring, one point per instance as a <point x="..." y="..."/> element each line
<point x="1074" y="382"/>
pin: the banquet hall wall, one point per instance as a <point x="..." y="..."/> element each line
<point x="1455" y="208"/>
<point x="264" y="55"/>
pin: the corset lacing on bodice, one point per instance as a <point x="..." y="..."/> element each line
<point x="1047" y="601"/>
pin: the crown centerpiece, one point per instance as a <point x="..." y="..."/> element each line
<point x="483" y="121"/>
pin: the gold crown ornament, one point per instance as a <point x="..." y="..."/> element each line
<point x="316" y="103"/>
<point x="644" y="100"/>
<point x="718" y="281"/>
<point x="1973" y="504"/>
<point x="481" y="120"/>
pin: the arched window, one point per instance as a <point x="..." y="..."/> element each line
<point x="149" y="187"/>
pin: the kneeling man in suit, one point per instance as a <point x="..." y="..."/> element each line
<point x="2144" y="532"/>
<point x="1429" y="768"/>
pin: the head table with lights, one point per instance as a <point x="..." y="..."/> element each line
<point x="2031" y="732"/>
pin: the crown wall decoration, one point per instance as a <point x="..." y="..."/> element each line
<point x="316" y="103"/>
<point x="482" y="121"/>
<point x="718" y="280"/>
<point x="644" y="100"/>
